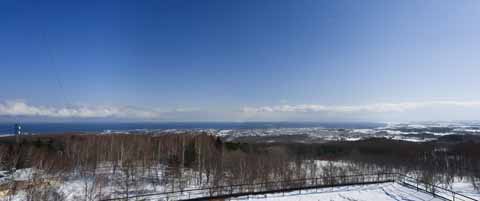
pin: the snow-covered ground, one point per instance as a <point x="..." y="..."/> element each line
<point x="73" y="187"/>
<point x="413" y="132"/>
<point x="375" y="192"/>
<point x="466" y="188"/>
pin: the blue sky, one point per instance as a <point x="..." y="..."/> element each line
<point x="240" y="60"/>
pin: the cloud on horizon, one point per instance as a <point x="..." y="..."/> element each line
<point x="365" y="109"/>
<point x="305" y="112"/>
<point x="21" y="108"/>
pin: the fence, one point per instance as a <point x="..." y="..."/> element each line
<point x="301" y="184"/>
<point x="265" y="188"/>
<point x="431" y="188"/>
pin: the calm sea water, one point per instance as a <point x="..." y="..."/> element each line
<point x="39" y="128"/>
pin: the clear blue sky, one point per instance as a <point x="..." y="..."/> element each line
<point x="240" y="60"/>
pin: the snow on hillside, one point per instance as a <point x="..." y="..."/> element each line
<point x="377" y="192"/>
<point x="466" y="188"/>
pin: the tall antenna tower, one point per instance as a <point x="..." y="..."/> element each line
<point x="18" y="132"/>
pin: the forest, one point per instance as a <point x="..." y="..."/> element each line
<point x="122" y="165"/>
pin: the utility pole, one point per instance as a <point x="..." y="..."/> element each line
<point x="18" y="132"/>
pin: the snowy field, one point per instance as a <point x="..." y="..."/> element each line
<point x="376" y="192"/>
<point x="466" y="188"/>
<point x="74" y="188"/>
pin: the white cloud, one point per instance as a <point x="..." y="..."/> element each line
<point x="364" y="109"/>
<point x="187" y="109"/>
<point x="21" y="108"/>
<point x="401" y="110"/>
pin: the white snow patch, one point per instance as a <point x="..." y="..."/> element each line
<point x="383" y="192"/>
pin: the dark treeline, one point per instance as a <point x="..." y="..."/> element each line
<point x="178" y="161"/>
<point x="458" y="158"/>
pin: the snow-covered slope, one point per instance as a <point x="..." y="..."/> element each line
<point x="376" y="192"/>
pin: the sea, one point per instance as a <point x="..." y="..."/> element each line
<point x="58" y="128"/>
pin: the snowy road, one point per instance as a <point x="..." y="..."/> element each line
<point x="377" y="192"/>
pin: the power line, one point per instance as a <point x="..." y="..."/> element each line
<point x="52" y="61"/>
